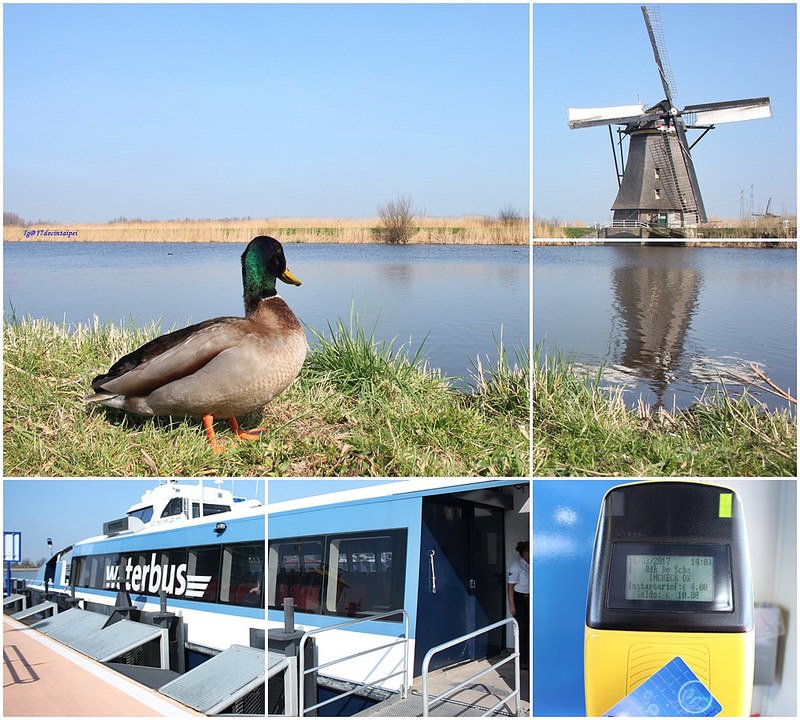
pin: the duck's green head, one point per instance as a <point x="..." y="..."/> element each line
<point x="263" y="262"/>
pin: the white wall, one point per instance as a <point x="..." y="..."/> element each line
<point x="771" y="514"/>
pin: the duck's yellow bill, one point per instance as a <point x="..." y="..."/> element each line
<point x="287" y="277"/>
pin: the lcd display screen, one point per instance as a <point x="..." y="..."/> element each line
<point x="670" y="576"/>
<point x="688" y="578"/>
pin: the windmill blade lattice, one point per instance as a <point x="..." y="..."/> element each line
<point x="652" y="19"/>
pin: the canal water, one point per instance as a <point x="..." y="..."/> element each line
<point x="459" y="299"/>
<point x="668" y="322"/>
<point x="26" y="574"/>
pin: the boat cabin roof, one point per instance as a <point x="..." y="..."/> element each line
<point x="402" y="488"/>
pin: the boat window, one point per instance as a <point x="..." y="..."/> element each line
<point x="202" y="573"/>
<point x="77" y="568"/>
<point x="144" y="514"/>
<point x="349" y="575"/>
<point x="296" y="572"/>
<point x="242" y="577"/>
<point x="208" y="509"/>
<point x="362" y="575"/>
<point x="173" y="507"/>
<point x="96" y="572"/>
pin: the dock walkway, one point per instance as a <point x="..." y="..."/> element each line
<point x="472" y="701"/>
<point x="44" y="678"/>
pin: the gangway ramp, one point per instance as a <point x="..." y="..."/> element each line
<point x="36" y="609"/>
<point x="73" y="623"/>
<point x="13" y="599"/>
<point x="221" y="681"/>
<point x="85" y="632"/>
<point x="464" y="690"/>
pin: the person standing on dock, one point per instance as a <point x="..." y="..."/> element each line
<point x="519" y="598"/>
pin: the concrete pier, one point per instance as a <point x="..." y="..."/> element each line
<point x="43" y="678"/>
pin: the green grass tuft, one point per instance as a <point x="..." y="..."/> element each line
<point x="359" y="408"/>
<point x="580" y="428"/>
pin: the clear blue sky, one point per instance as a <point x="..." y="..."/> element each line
<point x="207" y="111"/>
<point x="594" y="55"/>
<point x="280" y="490"/>
<point x="70" y="510"/>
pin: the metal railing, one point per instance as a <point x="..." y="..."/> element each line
<point x="426" y="704"/>
<point x="303" y="671"/>
<point x="288" y="665"/>
<point x="620" y="224"/>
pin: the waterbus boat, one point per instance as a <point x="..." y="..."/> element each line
<point x="388" y="583"/>
<point x="191" y="553"/>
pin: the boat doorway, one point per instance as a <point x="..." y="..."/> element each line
<point x="461" y="579"/>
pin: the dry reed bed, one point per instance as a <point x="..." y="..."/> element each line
<point x="455" y="231"/>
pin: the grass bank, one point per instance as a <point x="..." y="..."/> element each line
<point x="754" y="228"/>
<point x="735" y="244"/>
<point x="468" y="230"/>
<point x="359" y="408"/>
<point x="581" y="429"/>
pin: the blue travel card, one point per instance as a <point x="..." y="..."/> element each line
<point x="674" y="691"/>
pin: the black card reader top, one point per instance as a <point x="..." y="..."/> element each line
<point x="671" y="557"/>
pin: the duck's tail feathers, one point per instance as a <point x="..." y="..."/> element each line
<point x="105" y="398"/>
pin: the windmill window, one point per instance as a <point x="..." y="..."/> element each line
<point x="657" y="172"/>
<point x="658" y="194"/>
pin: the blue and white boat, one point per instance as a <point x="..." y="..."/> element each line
<point x="195" y="547"/>
<point x="390" y="582"/>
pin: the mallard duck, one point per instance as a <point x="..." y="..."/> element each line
<point x="223" y="367"/>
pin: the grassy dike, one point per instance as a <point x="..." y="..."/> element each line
<point x="581" y="429"/>
<point x="359" y="408"/>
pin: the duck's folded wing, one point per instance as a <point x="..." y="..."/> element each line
<point x="169" y="357"/>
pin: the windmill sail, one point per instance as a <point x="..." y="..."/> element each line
<point x="614" y="115"/>
<point x="725" y="112"/>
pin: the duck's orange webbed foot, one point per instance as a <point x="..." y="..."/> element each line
<point x="240" y="434"/>
<point x="208" y="426"/>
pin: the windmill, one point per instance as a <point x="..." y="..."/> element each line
<point x="658" y="189"/>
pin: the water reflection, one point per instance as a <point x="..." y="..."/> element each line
<point x="655" y="304"/>
<point x="668" y="323"/>
<point x="398" y="275"/>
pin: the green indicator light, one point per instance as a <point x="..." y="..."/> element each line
<point x="725" y="504"/>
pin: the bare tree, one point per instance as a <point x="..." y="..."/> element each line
<point x="10" y="218"/>
<point x="397" y="218"/>
<point x="509" y="215"/>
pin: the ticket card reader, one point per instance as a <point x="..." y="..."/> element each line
<point x="670" y="578"/>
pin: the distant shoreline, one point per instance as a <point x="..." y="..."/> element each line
<point x="746" y="244"/>
<point x="425" y="231"/>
